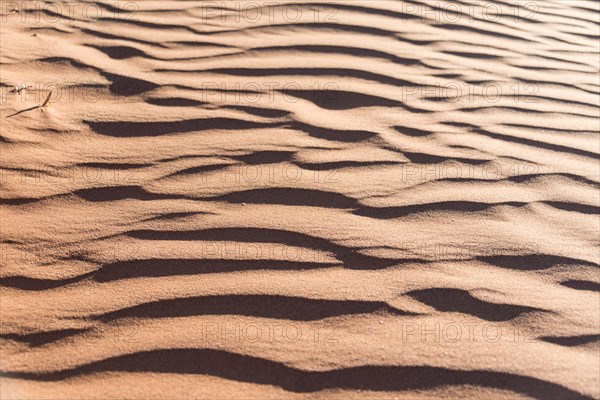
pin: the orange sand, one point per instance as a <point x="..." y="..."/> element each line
<point x="350" y="200"/>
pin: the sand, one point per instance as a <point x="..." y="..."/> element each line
<point x="376" y="199"/>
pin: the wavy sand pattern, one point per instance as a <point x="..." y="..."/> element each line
<point x="341" y="199"/>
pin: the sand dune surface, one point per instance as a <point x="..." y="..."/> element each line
<point x="300" y="199"/>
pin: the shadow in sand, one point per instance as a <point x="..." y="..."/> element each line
<point x="244" y="368"/>
<point x="571" y="341"/>
<point x="37" y="339"/>
<point x="458" y="300"/>
<point x="265" y="306"/>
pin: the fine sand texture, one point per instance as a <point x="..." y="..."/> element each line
<point x="300" y="200"/>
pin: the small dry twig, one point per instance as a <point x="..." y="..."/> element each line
<point x="38" y="107"/>
<point x="47" y="101"/>
<point x="19" y="88"/>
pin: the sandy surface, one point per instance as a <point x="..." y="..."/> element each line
<point x="373" y="199"/>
